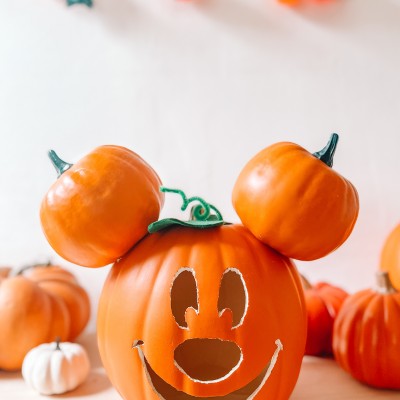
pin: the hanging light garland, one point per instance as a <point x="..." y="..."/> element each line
<point x="89" y="3"/>
<point x="299" y="2"/>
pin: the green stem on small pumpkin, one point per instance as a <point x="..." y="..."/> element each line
<point x="60" y="165"/>
<point x="327" y="153"/>
<point x="58" y="340"/>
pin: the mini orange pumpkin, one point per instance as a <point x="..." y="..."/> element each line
<point x="29" y="316"/>
<point x="323" y="302"/>
<point x="101" y="206"/>
<point x="366" y="337"/>
<point x="206" y="312"/>
<point x="390" y="256"/>
<point x="293" y="201"/>
<point x="63" y="284"/>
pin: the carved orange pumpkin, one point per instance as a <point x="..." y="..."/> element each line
<point x="202" y="313"/>
<point x="366" y="337"/>
<point x="390" y="256"/>
<point x="101" y="206"/>
<point x="295" y="202"/>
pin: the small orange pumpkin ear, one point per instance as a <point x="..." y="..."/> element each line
<point x="295" y="202"/>
<point x="99" y="208"/>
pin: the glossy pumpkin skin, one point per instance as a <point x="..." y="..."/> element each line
<point x="323" y="302"/>
<point x="29" y="316"/>
<point x="366" y="341"/>
<point x="100" y="207"/>
<point x="294" y="202"/>
<point x="390" y="256"/>
<point x="63" y="284"/>
<point x="136" y="305"/>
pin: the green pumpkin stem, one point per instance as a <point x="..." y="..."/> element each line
<point x="327" y="153"/>
<point x="60" y="165"/>
<point x="200" y="212"/>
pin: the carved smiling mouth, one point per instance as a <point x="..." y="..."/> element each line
<point x="167" y="392"/>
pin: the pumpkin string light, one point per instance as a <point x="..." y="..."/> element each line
<point x="200" y="214"/>
<point x="88" y="3"/>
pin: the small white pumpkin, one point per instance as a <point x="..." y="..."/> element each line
<point x="55" y="368"/>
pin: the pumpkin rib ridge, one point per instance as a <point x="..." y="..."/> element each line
<point x="356" y="325"/>
<point x="291" y="269"/>
<point x="391" y="321"/>
<point x="344" y="350"/>
<point x="386" y="343"/>
<point x="373" y="307"/>
<point x="106" y="327"/>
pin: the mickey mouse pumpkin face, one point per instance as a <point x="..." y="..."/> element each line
<point x="211" y="314"/>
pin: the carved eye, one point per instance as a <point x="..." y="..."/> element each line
<point x="184" y="295"/>
<point x="233" y="295"/>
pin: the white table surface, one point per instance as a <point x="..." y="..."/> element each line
<point x="320" y="379"/>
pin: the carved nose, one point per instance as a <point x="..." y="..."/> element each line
<point x="208" y="360"/>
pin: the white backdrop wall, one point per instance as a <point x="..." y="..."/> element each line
<point x="197" y="88"/>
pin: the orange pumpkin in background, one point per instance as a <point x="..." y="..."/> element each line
<point x="366" y="337"/>
<point x="305" y="209"/>
<point x="202" y="313"/>
<point x="49" y="271"/>
<point x="29" y="316"/>
<point x="101" y="206"/>
<point x="390" y="256"/>
<point x="36" y="308"/>
<point x="323" y="302"/>
<point x="63" y="284"/>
